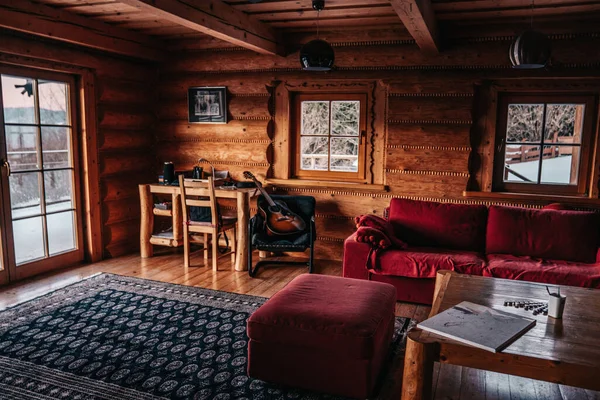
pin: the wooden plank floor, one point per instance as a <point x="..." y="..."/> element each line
<point x="451" y="382"/>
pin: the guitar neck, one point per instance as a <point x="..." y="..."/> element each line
<point x="264" y="192"/>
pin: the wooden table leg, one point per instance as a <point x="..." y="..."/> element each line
<point x="243" y="215"/>
<point x="146" y="221"/>
<point x="177" y="219"/>
<point x="418" y="370"/>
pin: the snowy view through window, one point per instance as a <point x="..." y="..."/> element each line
<point x="541" y="152"/>
<point x="329" y="138"/>
<point x="37" y="129"/>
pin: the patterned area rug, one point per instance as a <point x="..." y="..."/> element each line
<point x="114" y="337"/>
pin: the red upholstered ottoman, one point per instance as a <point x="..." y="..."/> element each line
<point x="323" y="333"/>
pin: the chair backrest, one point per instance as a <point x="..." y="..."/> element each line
<point x="198" y="194"/>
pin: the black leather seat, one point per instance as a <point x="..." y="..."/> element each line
<point x="303" y="206"/>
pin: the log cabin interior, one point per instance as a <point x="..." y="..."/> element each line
<point x="405" y="155"/>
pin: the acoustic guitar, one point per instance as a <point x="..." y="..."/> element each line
<point x="279" y="219"/>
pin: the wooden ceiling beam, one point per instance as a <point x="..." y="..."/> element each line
<point x="37" y="19"/>
<point x="217" y="19"/>
<point x="419" y="19"/>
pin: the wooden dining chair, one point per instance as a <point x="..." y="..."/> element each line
<point x="194" y="194"/>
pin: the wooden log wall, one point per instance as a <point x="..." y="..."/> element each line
<point x="428" y="135"/>
<point x="124" y="99"/>
<point x="126" y="146"/>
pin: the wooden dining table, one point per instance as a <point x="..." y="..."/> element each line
<point x="148" y="212"/>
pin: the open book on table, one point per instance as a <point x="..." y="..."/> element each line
<point x="478" y="326"/>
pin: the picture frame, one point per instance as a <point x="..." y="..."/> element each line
<point x="207" y="105"/>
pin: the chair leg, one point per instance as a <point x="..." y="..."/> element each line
<point x="205" y="248"/>
<point x="311" y="259"/>
<point x="233" y="246"/>
<point x="249" y="249"/>
<point x="186" y="247"/>
<point x="215" y="250"/>
<point x="312" y="245"/>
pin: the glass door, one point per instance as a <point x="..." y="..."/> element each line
<point x="42" y="226"/>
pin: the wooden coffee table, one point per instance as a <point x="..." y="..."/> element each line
<point x="565" y="351"/>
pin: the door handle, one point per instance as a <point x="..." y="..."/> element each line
<point x="500" y="146"/>
<point x="6" y="165"/>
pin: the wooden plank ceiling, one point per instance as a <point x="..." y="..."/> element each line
<point x="275" y="22"/>
<point x="122" y="15"/>
<point x="293" y="15"/>
<point x="298" y="14"/>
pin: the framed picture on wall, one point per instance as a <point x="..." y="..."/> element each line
<point x="207" y="105"/>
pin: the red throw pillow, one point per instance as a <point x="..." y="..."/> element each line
<point x="546" y="234"/>
<point x="443" y="225"/>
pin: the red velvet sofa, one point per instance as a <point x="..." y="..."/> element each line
<point x="548" y="246"/>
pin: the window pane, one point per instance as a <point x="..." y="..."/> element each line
<point x="344" y="154"/>
<point x="55" y="147"/>
<point x="29" y="239"/>
<point x="524" y="123"/>
<point x="59" y="191"/>
<point x="315" y="118"/>
<point x="314" y="154"/>
<point x="560" y="164"/>
<point x="53" y="102"/>
<point x="564" y="123"/>
<point x="61" y="232"/>
<point x="18" y="100"/>
<point x="345" y="118"/>
<point x="22" y="147"/>
<point x="25" y="194"/>
<point x="521" y="163"/>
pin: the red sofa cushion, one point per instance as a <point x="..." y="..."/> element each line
<point x="543" y="271"/>
<point x="342" y="316"/>
<point x="547" y="234"/>
<point x="430" y="224"/>
<point x="425" y="262"/>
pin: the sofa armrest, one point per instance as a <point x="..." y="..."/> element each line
<point x="355" y="258"/>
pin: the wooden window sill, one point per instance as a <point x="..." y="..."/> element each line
<point x="306" y="183"/>
<point x="533" y="198"/>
